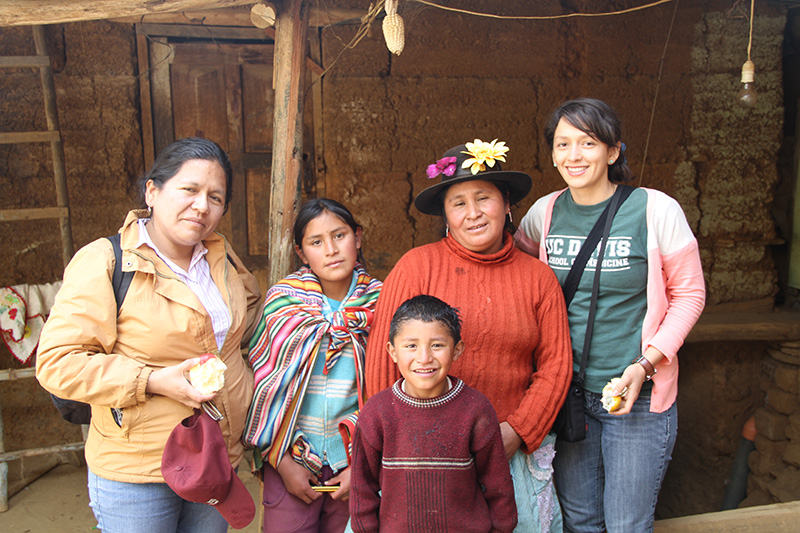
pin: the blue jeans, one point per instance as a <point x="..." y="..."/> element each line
<point x="610" y="480"/>
<point x="121" y="507"/>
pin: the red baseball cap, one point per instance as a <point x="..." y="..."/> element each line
<point x="195" y="465"/>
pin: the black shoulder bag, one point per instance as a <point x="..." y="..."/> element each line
<point x="570" y="424"/>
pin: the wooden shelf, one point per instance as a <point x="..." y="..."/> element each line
<point x="775" y="517"/>
<point x="746" y="326"/>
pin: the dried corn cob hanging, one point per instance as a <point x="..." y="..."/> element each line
<point x="393" y="28"/>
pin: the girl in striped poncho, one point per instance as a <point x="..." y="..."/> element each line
<point x="307" y="354"/>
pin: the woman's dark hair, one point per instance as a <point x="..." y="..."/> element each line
<point x="314" y="208"/>
<point x="426" y="309"/>
<point x="503" y="188"/>
<point x="599" y="120"/>
<point x="171" y="159"/>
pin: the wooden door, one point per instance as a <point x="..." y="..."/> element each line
<point x="222" y="91"/>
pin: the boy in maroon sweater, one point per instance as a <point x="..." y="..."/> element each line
<point x="427" y="452"/>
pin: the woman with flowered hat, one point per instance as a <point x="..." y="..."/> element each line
<point x="517" y="347"/>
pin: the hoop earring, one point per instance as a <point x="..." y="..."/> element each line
<point x="510" y="217"/>
<point x="447" y="231"/>
<point x="149" y="211"/>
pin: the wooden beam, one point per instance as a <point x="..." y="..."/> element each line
<point x="240" y="16"/>
<point x="31" y="12"/>
<point x="291" y="30"/>
<point x="34" y="214"/>
<point x="204" y="31"/>
<point x="775" y="517"/>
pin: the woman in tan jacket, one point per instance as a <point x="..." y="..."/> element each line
<point x="189" y="295"/>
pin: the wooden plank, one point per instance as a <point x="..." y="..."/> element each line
<point x="315" y="54"/>
<point x="29" y="137"/>
<point x="12" y="374"/>
<point x="240" y="16"/>
<point x="236" y="147"/>
<point x="291" y="30"/>
<point x="738" y="326"/>
<point x="204" y="32"/>
<point x="24" y="61"/>
<point x="764" y="518"/>
<point x="40" y="213"/>
<point x="10" y="456"/>
<point x="258" y="191"/>
<point x="148" y="144"/>
<point x="161" y="56"/>
<point x="29" y="12"/>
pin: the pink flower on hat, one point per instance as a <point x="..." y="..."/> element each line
<point x="446" y="166"/>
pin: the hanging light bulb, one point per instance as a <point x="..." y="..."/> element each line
<point x="747" y="94"/>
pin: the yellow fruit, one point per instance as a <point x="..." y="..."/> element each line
<point x="610" y="402"/>
<point x="208" y="376"/>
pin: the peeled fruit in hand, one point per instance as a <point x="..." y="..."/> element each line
<point x="610" y="402"/>
<point x="208" y="376"/>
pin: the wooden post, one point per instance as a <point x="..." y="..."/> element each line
<point x="291" y="29"/>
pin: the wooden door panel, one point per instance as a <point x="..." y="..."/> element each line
<point x="193" y="87"/>
<point x="258" y="101"/>
<point x="223" y="91"/>
<point x="258" y="210"/>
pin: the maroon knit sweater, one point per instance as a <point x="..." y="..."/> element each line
<point x="439" y="465"/>
<point x="515" y="331"/>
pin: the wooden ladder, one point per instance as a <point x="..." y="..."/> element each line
<point x="53" y="135"/>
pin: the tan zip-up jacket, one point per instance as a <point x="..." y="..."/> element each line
<point x="88" y="353"/>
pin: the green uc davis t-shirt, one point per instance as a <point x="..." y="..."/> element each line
<point x="622" y="300"/>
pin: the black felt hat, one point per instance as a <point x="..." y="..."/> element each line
<point x="449" y="169"/>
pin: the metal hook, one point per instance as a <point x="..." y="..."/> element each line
<point x="211" y="410"/>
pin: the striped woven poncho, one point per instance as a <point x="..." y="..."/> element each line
<point x="284" y="348"/>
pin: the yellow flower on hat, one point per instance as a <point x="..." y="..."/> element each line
<point x="484" y="154"/>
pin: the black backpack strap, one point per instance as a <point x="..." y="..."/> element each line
<point x="120" y="280"/>
<point x="589" y="245"/>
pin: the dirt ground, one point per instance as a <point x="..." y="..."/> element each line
<point x="58" y="501"/>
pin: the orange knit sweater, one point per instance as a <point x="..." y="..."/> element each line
<point x="517" y="346"/>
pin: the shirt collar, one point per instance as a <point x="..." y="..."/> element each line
<point x="144" y="238"/>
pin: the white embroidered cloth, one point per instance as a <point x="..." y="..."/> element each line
<point x="23" y="310"/>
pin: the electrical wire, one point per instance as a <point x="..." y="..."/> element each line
<point x="655" y="94"/>
<point x="541" y="17"/>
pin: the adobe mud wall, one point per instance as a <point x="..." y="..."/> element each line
<point x="385" y="118"/>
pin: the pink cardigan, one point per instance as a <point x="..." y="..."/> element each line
<point x="675" y="286"/>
